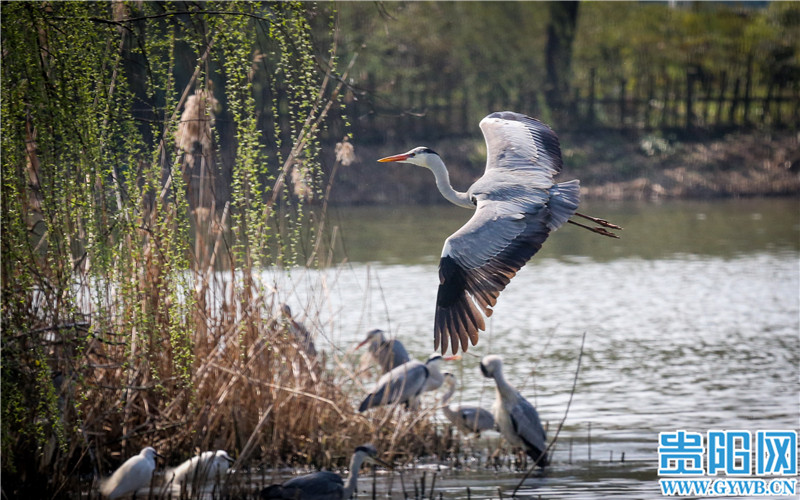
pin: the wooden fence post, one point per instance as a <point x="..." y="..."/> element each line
<point x="590" y="115"/>
<point x="690" y="76"/>
<point x="747" y="89"/>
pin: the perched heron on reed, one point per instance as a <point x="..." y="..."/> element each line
<point x="467" y="418"/>
<point x="207" y="466"/>
<point x="388" y="353"/>
<point x="516" y="418"/>
<point x="325" y="485"/>
<point x="517" y="204"/>
<point x="133" y="475"/>
<point x="405" y="383"/>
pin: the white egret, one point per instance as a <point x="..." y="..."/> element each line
<point x="207" y="466"/>
<point x="133" y="475"/>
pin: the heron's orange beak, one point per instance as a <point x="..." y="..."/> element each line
<point x="402" y="157"/>
<point x="361" y="344"/>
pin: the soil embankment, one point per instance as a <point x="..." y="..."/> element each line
<point x="611" y="166"/>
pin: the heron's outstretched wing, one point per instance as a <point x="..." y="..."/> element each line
<point x="479" y="260"/>
<point x="400" y="384"/>
<point x="515" y="142"/>
<point x="528" y="427"/>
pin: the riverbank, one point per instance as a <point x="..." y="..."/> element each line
<point x="611" y="166"/>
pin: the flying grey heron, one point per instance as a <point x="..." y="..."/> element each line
<point x="133" y="475"/>
<point x="299" y="331"/>
<point x="517" y="205"/>
<point x="324" y="485"/>
<point x="467" y="418"/>
<point x="388" y="353"/>
<point x="405" y="383"/>
<point x="207" y="466"/>
<point x="516" y="418"/>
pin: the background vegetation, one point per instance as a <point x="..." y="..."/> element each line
<point x="156" y="156"/>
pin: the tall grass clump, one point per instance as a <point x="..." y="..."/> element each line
<point x="156" y="157"/>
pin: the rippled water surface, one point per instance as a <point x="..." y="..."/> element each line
<point x="690" y="322"/>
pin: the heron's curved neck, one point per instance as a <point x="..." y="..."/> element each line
<point x="503" y="387"/>
<point x="352" y="479"/>
<point x="439" y="170"/>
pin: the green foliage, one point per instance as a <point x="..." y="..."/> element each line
<point x="105" y="262"/>
<point x="491" y="55"/>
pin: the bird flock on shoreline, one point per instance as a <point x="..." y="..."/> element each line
<point x="517" y="204"/>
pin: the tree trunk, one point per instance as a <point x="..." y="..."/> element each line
<point x="558" y="56"/>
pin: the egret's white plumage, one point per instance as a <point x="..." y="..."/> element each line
<point x="324" y="485"/>
<point x="388" y="353"/>
<point x="135" y="474"/>
<point x="517" y="419"/>
<point x="202" y="468"/>
<point x="405" y="383"/>
<point x="517" y="204"/>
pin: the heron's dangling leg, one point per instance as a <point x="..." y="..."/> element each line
<point x="602" y="222"/>
<point x="598" y="230"/>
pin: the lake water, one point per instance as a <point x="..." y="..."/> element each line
<point x="690" y="322"/>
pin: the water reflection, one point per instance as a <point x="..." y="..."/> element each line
<point x="415" y="234"/>
<point x="692" y="322"/>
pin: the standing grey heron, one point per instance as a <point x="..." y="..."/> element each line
<point x="133" y="475"/>
<point x="207" y="466"/>
<point x="517" y="205"/>
<point x="324" y="485"/>
<point x="467" y="418"/>
<point x="388" y="353"/>
<point x="299" y="331"/>
<point x="516" y="418"/>
<point x="405" y="383"/>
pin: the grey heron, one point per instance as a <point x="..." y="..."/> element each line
<point x="517" y="205"/>
<point x="133" y="475"/>
<point x="405" y="383"/>
<point x="388" y="353"/>
<point x="207" y="466"/>
<point x="300" y="333"/>
<point x="467" y="418"/>
<point x="325" y="485"/>
<point x="516" y="418"/>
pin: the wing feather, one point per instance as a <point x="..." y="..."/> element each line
<point x="528" y="427"/>
<point x="480" y="260"/>
<point x="398" y="385"/>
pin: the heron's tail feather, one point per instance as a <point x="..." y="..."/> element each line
<point x="564" y="200"/>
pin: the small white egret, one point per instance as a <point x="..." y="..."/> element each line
<point x="325" y="485"/>
<point x="516" y="418"/>
<point x="134" y="474"/>
<point x="207" y="466"/>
